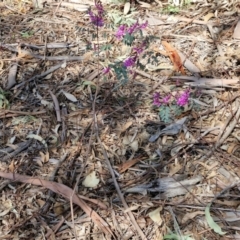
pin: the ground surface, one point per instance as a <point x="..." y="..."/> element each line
<point x="87" y="158"/>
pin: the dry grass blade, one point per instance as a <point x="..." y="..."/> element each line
<point x="65" y="192"/>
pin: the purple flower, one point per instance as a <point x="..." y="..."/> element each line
<point x="99" y="8"/>
<point x="132" y="29"/>
<point x="120" y="32"/>
<point x="144" y="25"/>
<point x="106" y="70"/>
<point x="129" y="62"/>
<point x="166" y="99"/>
<point x="183" y="99"/>
<point x="136" y="26"/>
<point x="96" y="19"/>
<point x="139" y="49"/>
<point x="158" y="102"/>
<point x="156" y="99"/>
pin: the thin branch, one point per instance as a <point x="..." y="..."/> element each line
<point x="5" y="113"/>
<point x="130" y="214"/>
<point x="51" y="178"/>
<point x="235" y="116"/>
<point x="50" y="70"/>
<point x="56" y="104"/>
<point x="17" y="151"/>
<point x="10" y="47"/>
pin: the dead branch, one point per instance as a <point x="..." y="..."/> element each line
<point x="65" y="192"/>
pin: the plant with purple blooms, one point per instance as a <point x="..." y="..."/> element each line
<point x="97" y="19"/>
<point x="169" y="106"/>
<point x="128" y="34"/>
<point x="123" y="30"/>
<point x="129" y="62"/>
<point x="183" y="98"/>
<point x="106" y="70"/>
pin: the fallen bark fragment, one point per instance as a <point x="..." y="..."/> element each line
<point x="65" y="192"/>
<point x="12" y="74"/>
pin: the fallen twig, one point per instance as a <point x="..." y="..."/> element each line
<point x="17" y="151"/>
<point x="65" y="192"/>
<point x="56" y="104"/>
<point x="235" y="116"/>
<point x="158" y="80"/>
<point x="208" y="111"/>
<point x="8" y="150"/>
<point x="64" y="125"/>
<point x="5" y="113"/>
<point x="135" y="224"/>
<point x="50" y="70"/>
<point x="51" y="178"/>
<point x="48" y="45"/>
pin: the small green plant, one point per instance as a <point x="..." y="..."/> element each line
<point x="171" y="9"/>
<point x="27" y="34"/>
<point x="170" y="107"/>
<point x="4" y="103"/>
<point x="127" y="34"/>
<point x="174" y="6"/>
<point x="173" y="236"/>
<point x="118" y="18"/>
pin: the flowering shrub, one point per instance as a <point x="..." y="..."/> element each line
<point x="97" y="19"/>
<point x="127" y="35"/>
<point x="123" y="30"/>
<point x="169" y="106"/>
<point x="129" y="62"/>
<point x="183" y="99"/>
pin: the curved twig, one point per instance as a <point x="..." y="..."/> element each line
<point x="56" y="104"/>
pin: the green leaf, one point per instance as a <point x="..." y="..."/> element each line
<point x="27" y="34"/>
<point x="87" y="83"/>
<point x="174" y="236"/>
<point x="128" y="39"/>
<point x="213" y="225"/>
<point x="171" y="236"/>
<point x="177" y="110"/>
<point x="165" y="114"/>
<point x="4" y="103"/>
<point x="106" y="47"/>
<point x="116" y="17"/>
